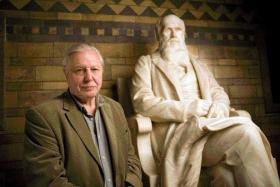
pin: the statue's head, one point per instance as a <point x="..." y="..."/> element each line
<point x="170" y="26"/>
<point x="170" y="33"/>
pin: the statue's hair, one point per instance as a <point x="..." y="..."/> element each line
<point x="80" y="48"/>
<point x="159" y="25"/>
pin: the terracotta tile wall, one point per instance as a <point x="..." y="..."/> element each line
<point x="35" y="34"/>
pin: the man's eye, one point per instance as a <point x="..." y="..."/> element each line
<point x="94" y="69"/>
<point x="166" y="30"/>
<point x="178" y="29"/>
<point x="78" y="70"/>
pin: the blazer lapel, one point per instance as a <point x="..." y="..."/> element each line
<point x="169" y="72"/>
<point x="202" y="81"/>
<point x="111" y="131"/>
<point x="79" y="124"/>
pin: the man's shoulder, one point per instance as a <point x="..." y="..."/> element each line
<point x="149" y="59"/>
<point x="145" y="58"/>
<point x="110" y="101"/>
<point x="114" y="106"/>
<point x="197" y="62"/>
<point x="50" y="104"/>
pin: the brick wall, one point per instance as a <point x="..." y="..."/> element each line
<point x="220" y="34"/>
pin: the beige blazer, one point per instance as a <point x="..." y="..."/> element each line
<point x="59" y="150"/>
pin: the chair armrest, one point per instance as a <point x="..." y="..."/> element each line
<point x="242" y="113"/>
<point x="144" y="124"/>
<point x="144" y="146"/>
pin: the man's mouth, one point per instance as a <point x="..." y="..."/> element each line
<point x="174" y="40"/>
<point x="87" y="87"/>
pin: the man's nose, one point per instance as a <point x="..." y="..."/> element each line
<point x="172" y="33"/>
<point x="88" y="74"/>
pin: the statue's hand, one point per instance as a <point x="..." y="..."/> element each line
<point x="218" y="110"/>
<point x="199" y="107"/>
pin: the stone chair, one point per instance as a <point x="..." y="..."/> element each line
<point x="141" y="128"/>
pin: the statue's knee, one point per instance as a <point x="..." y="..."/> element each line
<point x="249" y="132"/>
<point x="242" y="113"/>
<point x="222" y="175"/>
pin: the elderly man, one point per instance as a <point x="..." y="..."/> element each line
<point x="193" y="126"/>
<point x="80" y="138"/>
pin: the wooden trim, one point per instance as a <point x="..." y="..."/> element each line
<point x="270" y="106"/>
<point x="2" y="67"/>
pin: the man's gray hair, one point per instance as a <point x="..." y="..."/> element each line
<point x="80" y="48"/>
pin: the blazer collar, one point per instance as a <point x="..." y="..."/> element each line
<point x="111" y="129"/>
<point x="98" y="100"/>
<point x="77" y="121"/>
<point x="203" y="82"/>
<point x="168" y="70"/>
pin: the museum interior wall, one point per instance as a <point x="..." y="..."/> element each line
<point x="225" y="34"/>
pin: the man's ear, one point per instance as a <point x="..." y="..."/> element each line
<point x="65" y="71"/>
<point x="156" y="33"/>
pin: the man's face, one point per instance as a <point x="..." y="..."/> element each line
<point x="172" y="40"/>
<point x="173" y="32"/>
<point x="84" y="74"/>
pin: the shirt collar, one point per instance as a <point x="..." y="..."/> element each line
<point x="99" y="101"/>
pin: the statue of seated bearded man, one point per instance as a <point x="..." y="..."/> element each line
<point x="193" y="126"/>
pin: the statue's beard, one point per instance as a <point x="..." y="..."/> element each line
<point x="174" y="51"/>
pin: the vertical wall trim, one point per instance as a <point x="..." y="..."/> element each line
<point x="270" y="106"/>
<point x="2" y="67"/>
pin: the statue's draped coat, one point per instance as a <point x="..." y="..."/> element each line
<point x="177" y="139"/>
